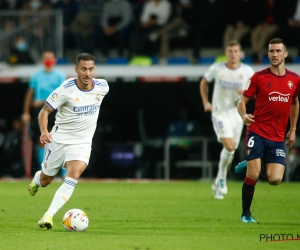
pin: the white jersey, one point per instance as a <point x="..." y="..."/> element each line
<point x="77" y="111"/>
<point x="227" y="83"/>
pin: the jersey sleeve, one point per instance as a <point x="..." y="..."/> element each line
<point x="250" y="72"/>
<point x="211" y="73"/>
<point x="102" y="83"/>
<point x="57" y="98"/>
<point x="251" y="87"/>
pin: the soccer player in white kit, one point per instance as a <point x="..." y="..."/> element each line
<point x="230" y="79"/>
<point x="68" y="145"/>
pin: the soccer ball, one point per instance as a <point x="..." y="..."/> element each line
<point x="75" y="220"/>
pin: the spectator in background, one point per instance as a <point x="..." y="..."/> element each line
<point x="291" y="31"/>
<point x="84" y="26"/>
<point x="69" y="9"/>
<point x="115" y="24"/>
<point x="240" y="22"/>
<point x="20" y="53"/>
<point x="10" y="5"/>
<point x="209" y="25"/>
<point x="137" y="8"/>
<point x="39" y="29"/>
<point x="271" y="14"/>
<point x="179" y="26"/>
<point x="155" y="14"/>
<point x="41" y="84"/>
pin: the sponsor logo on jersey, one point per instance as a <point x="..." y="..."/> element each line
<point x="230" y="85"/>
<point x="54" y="96"/>
<point x="290" y="84"/>
<point x="98" y="97"/>
<point x="86" y="110"/>
<point x="76" y="99"/>
<point x="278" y="97"/>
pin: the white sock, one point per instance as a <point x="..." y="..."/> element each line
<point x="226" y="158"/>
<point x="62" y="195"/>
<point x="36" y="178"/>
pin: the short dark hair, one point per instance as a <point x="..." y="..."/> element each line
<point x="84" y="57"/>
<point x="278" y="41"/>
<point x="234" y="43"/>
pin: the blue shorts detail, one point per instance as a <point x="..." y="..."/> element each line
<point x="269" y="151"/>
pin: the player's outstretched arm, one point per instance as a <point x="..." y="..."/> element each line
<point x="43" y="123"/>
<point x="27" y="105"/>
<point x="291" y="135"/>
<point x="241" y="107"/>
<point x="204" y="95"/>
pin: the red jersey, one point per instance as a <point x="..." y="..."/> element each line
<point x="273" y="102"/>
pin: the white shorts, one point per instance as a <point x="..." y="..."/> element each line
<point x="228" y="124"/>
<point x="56" y="155"/>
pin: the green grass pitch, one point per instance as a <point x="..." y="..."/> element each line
<point x="152" y="216"/>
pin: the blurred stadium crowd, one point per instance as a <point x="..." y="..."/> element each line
<point x="158" y="29"/>
<point x="138" y="32"/>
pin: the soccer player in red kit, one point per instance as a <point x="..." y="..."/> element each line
<point x="276" y="90"/>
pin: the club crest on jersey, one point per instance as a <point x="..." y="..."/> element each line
<point x="98" y="97"/>
<point x="290" y="84"/>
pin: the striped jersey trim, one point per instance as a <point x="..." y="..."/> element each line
<point x="69" y="84"/>
<point x="101" y="84"/>
<point x="71" y="183"/>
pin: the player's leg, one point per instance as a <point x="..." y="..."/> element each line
<point x="274" y="172"/>
<point x="76" y="161"/>
<point x="255" y="150"/>
<point x="65" y="191"/>
<point x="275" y="161"/>
<point x="225" y="161"/>
<point x="223" y="128"/>
<point x="44" y="177"/>
<point x="40" y="179"/>
<point x="253" y="171"/>
<point x="52" y="162"/>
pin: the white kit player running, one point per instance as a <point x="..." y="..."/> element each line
<point x="68" y="146"/>
<point x="230" y="79"/>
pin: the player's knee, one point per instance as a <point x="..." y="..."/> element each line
<point x="275" y="180"/>
<point x="230" y="149"/>
<point x="74" y="175"/>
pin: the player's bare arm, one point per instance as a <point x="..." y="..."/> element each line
<point x="43" y="123"/>
<point x="241" y="107"/>
<point x="27" y="105"/>
<point x="291" y="135"/>
<point x="204" y="95"/>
